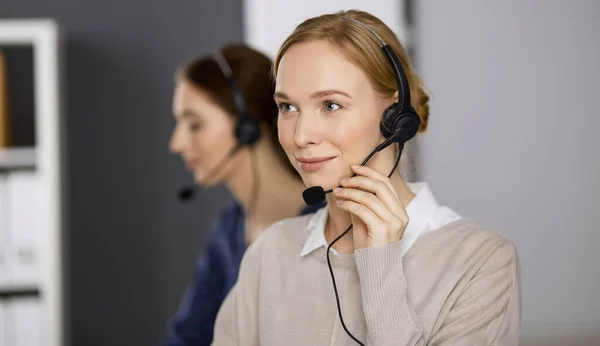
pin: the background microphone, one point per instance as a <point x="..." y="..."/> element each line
<point x="187" y="192"/>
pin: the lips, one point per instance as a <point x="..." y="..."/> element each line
<point x="191" y="164"/>
<point x="313" y="164"/>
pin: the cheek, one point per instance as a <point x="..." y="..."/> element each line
<point x="200" y="143"/>
<point x="285" y="133"/>
<point x="211" y="143"/>
<point x="348" y="138"/>
<point x="357" y="138"/>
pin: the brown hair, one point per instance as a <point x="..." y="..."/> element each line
<point x="251" y="70"/>
<point x="363" y="49"/>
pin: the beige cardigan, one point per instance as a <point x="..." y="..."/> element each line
<point x="457" y="285"/>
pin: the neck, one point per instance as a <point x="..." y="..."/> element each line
<point x="277" y="192"/>
<point x="338" y="220"/>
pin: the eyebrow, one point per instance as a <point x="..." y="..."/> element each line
<point x="188" y="113"/>
<point x="322" y="93"/>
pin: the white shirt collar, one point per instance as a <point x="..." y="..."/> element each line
<point x="423" y="212"/>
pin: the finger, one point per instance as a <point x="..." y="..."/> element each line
<point x="373" y="174"/>
<point x="361" y="211"/>
<point x="378" y="188"/>
<point x="367" y="199"/>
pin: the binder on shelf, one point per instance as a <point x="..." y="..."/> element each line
<point x="3" y="231"/>
<point x="3" y="330"/>
<point x="19" y="270"/>
<point x="21" y="239"/>
<point x="19" y="323"/>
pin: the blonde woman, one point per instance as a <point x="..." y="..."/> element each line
<point x="408" y="271"/>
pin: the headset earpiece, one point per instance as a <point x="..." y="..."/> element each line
<point x="401" y="125"/>
<point x="387" y="120"/>
<point x="247" y="130"/>
<point x="406" y="125"/>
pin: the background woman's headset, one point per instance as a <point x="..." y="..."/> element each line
<point x="247" y="128"/>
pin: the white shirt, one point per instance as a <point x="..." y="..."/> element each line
<point x="423" y="212"/>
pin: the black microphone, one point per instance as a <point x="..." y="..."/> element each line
<point x="186" y="193"/>
<point x="316" y="194"/>
<point x="313" y="195"/>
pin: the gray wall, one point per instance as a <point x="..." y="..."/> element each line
<point x="132" y="244"/>
<point x="514" y="144"/>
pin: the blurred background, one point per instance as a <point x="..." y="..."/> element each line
<point x="512" y="143"/>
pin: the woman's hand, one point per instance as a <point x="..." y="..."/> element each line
<point x="378" y="217"/>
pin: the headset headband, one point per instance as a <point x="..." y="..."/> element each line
<point x="401" y="79"/>
<point x="236" y="93"/>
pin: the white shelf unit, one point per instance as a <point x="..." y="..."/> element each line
<point x="40" y="170"/>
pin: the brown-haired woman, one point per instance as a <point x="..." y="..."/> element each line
<point x="265" y="186"/>
<point x="408" y="271"/>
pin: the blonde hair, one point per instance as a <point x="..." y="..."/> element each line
<point x="363" y="49"/>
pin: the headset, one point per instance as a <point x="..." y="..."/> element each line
<point x="247" y="128"/>
<point x="400" y="122"/>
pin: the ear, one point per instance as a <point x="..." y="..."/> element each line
<point x="396" y="96"/>
<point x="387" y="102"/>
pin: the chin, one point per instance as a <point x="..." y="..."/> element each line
<point x="311" y="179"/>
<point x="204" y="180"/>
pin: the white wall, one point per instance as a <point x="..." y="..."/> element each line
<point x="514" y="143"/>
<point x="267" y="23"/>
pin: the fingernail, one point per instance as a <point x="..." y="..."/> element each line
<point x="356" y="166"/>
<point x="337" y="189"/>
<point x="345" y="180"/>
<point x="338" y="202"/>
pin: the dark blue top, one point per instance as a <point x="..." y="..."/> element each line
<point x="216" y="273"/>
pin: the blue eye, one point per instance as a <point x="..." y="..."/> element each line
<point x="286" y="107"/>
<point x="331" y="106"/>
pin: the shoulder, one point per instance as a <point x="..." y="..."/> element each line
<point x="228" y="217"/>
<point x="226" y="228"/>
<point x="230" y="213"/>
<point x="468" y="233"/>
<point x="467" y="239"/>
<point x="493" y="248"/>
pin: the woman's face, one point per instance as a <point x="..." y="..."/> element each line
<point x="203" y="134"/>
<point x="329" y="114"/>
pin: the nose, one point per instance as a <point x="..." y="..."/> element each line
<point x="307" y="131"/>
<point x="177" y="140"/>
